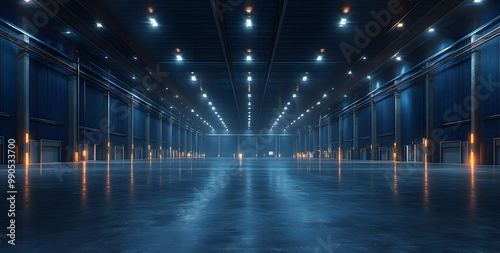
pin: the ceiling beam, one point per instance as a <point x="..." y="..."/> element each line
<point x="69" y="18"/>
<point x="221" y="29"/>
<point x="434" y="15"/>
<point x="278" y="24"/>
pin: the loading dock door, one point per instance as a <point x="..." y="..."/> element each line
<point x="51" y="151"/>
<point x="451" y="152"/>
<point x="119" y="152"/>
<point x="384" y="152"/>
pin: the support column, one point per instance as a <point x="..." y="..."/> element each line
<point x="329" y="139"/>
<point x="185" y="141"/>
<point x="191" y="143"/>
<point x="373" y="135"/>
<point x="130" y="132"/>
<point x="476" y="104"/>
<point x="106" y="131"/>
<point x="319" y="137"/>
<point x="397" y="124"/>
<point x="355" y="134"/>
<point x="148" y="134"/>
<point x="170" y="135"/>
<point x="23" y="104"/>
<point x="179" y="140"/>
<point x="429" y="116"/>
<point x="73" y="102"/>
<point x="196" y="145"/>
<point x="160" y="136"/>
<point x="341" y="135"/>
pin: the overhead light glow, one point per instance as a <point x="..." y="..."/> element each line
<point x="153" y="22"/>
<point x="431" y="30"/>
<point x="400" y="24"/>
<point x="249" y="95"/>
<point x="249" y="22"/>
<point x="343" y="22"/>
<point x="249" y="58"/>
<point x="318" y="103"/>
<point x="294" y="95"/>
<point x="193" y="78"/>
<point x="304" y="79"/>
<point x="324" y="95"/>
<point x="204" y="95"/>
<point x="369" y="77"/>
<point x="209" y="103"/>
<point x="398" y="58"/>
<point x="350" y="73"/>
<point x="99" y="25"/>
<point x="213" y="108"/>
<point x="249" y="10"/>
<point x="179" y="58"/>
<point x="320" y="58"/>
<point x="249" y="78"/>
<point x="288" y="103"/>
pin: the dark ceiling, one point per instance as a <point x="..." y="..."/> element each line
<point x="285" y="40"/>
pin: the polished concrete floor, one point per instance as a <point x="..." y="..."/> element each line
<point x="254" y="205"/>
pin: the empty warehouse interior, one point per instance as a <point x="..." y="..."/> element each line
<point x="249" y="126"/>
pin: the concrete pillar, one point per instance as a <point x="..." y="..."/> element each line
<point x="23" y="103"/>
<point x="170" y="135"/>
<point x="329" y="139"/>
<point x="191" y="143"/>
<point x="397" y="124"/>
<point x="130" y="131"/>
<point x="106" y="127"/>
<point x="373" y="135"/>
<point x="218" y="145"/>
<point x="179" y="140"/>
<point x="341" y="132"/>
<point x="429" y="115"/>
<point x="73" y="105"/>
<point x="196" y="145"/>
<point x="185" y="141"/>
<point x="148" y="134"/>
<point x="320" y="137"/>
<point x="476" y="103"/>
<point x="355" y="134"/>
<point x="160" y="136"/>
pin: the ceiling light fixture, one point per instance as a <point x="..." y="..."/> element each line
<point x="343" y="22"/>
<point x="249" y="22"/>
<point x="153" y="22"/>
